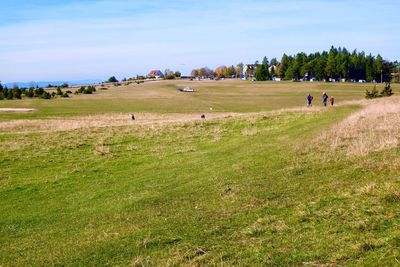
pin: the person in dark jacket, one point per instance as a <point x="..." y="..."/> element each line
<point x="309" y="100"/>
<point x="325" y="98"/>
<point x="332" y="101"/>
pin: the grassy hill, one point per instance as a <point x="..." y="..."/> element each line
<point x="259" y="189"/>
<point x="222" y="96"/>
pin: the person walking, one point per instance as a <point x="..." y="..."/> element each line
<point x="332" y="101"/>
<point x="309" y="100"/>
<point x="325" y="98"/>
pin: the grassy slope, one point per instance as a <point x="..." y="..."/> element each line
<point x="161" y="197"/>
<point x="231" y="95"/>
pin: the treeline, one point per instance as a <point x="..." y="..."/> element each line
<point x="335" y="64"/>
<point x="32" y="92"/>
<point x="338" y="63"/>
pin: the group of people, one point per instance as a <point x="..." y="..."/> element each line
<point x="325" y="99"/>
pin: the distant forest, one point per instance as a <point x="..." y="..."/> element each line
<point x="337" y="63"/>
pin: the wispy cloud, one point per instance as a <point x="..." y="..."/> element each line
<point x="94" y="39"/>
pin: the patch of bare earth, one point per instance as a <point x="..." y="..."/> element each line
<point x="375" y="127"/>
<point x="17" y="110"/>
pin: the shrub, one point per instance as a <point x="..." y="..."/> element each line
<point x="45" y="95"/>
<point x="30" y="92"/>
<point x="112" y="79"/>
<point x="372" y="94"/>
<point x="39" y="92"/>
<point x="65" y="95"/>
<point x="53" y="94"/>
<point x="9" y="95"/>
<point x="387" y="91"/>
<point x="59" y="91"/>
<point x="1" y="95"/>
<point x="69" y="92"/>
<point x="81" y="90"/>
<point x="17" y="93"/>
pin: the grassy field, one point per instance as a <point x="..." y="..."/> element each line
<point x="222" y="96"/>
<point x="260" y="189"/>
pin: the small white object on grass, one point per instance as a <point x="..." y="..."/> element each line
<point x="210" y="108"/>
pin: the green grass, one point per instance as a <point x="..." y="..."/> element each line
<point x="161" y="197"/>
<point x="229" y="95"/>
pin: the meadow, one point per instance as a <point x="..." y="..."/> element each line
<point x="262" y="181"/>
<point x="162" y="97"/>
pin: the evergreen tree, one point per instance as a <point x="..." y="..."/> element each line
<point x="369" y="68"/>
<point x="265" y="61"/>
<point x="285" y="62"/>
<point x="378" y="68"/>
<point x="262" y="73"/>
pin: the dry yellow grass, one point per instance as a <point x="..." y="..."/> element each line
<point x="123" y="119"/>
<point x="375" y="127"/>
<point x="104" y="120"/>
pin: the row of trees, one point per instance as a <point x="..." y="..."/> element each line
<point x="170" y="75"/>
<point x="17" y="93"/>
<point x="221" y="71"/>
<point x="337" y="63"/>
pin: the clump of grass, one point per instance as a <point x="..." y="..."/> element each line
<point x="250" y="131"/>
<point x="393" y="197"/>
<point x="102" y="149"/>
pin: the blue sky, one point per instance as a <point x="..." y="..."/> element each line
<point x="92" y="39"/>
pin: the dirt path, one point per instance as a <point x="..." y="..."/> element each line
<point x="17" y="110"/>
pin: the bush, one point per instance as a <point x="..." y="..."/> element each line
<point x="45" y="95"/>
<point x="59" y="91"/>
<point x="65" y="95"/>
<point x="387" y="91"/>
<point x="81" y="90"/>
<point x="372" y="94"/>
<point x="53" y="94"/>
<point x="39" y="92"/>
<point x="1" y="95"/>
<point x="9" y="95"/>
<point x="69" y="92"/>
<point x="30" y="92"/>
<point x="112" y="79"/>
<point x="17" y="93"/>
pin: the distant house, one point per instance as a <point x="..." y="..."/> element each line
<point x="248" y="71"/>
<point x="155" y="74"/>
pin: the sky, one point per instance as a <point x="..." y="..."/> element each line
<point x="50" y="40"/>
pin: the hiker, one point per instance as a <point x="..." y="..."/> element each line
<point x="309" y="100"/>
<point x="332" y="100"/>
<point x="133" y="117"/>
<point x="325" y="98"/>
<point x="203" y="116"/>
